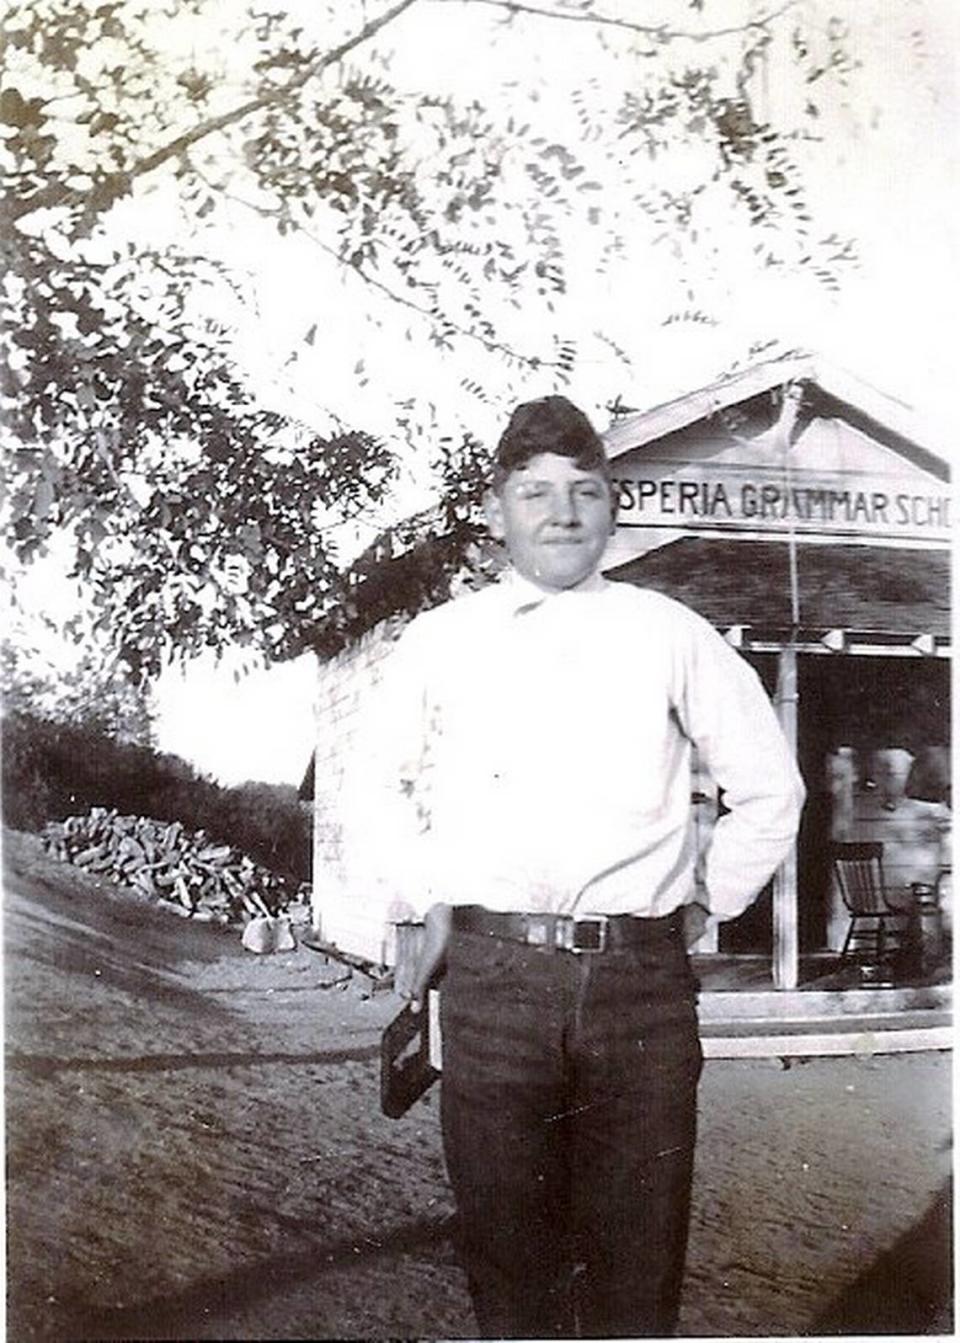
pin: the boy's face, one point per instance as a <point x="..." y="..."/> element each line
<point x="555" y="519"/>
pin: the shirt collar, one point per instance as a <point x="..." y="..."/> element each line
<point x="520" y="594"/>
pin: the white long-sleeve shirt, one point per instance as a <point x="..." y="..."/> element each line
<point x="531" y="751"/>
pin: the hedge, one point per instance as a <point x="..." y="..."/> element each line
<point x="54" y="770"/>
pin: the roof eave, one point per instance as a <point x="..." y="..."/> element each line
<point x="886" y="417"/>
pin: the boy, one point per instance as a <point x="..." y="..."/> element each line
<point x="527" y="781"/>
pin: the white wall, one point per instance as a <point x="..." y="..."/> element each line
<point x="339" y="912"/>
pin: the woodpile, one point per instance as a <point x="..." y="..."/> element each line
<point x="167" y="863"/>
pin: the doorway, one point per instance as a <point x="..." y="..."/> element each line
<point x="867" y="705"/>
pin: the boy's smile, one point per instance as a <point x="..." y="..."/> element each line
<point x="555" y="519"/>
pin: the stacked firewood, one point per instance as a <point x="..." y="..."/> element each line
<point x="170" y="864"/>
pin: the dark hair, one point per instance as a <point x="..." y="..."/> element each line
<point x="550" y="424"/>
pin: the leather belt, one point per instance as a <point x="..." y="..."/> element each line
<point x="582" y="934"/>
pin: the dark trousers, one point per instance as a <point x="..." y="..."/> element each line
<point x="569" y="1120"/>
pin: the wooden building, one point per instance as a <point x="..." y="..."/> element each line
<point x="801" y="514"/>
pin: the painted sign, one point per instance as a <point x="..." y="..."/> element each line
<point x="707" y="497"/>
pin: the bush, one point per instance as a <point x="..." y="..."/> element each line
<point x="29" y="800"/>
<point x="275" y="828"/>
<point x="54" y="770"/>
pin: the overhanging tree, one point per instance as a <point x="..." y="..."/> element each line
<point x="199" y="515"/>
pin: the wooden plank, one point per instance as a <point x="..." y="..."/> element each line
<point x="769" y="1005"/>
<point x="857" y="1043"/>
<point x="786" y="944"/>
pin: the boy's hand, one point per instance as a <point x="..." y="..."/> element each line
<point x="695" y="919"/>
<point x="436" y="935"/>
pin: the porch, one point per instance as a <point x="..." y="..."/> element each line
<point x="831" y="1010"/>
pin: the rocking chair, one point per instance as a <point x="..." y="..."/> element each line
<point x="876" y="927"/>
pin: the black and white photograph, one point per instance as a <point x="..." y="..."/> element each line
<point x="476" y="668"/>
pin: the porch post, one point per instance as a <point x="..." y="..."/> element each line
<point x="786" y="945"/>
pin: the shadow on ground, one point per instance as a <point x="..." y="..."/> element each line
<point x="176" y="1317"/>
<point x="907" y="1290"/>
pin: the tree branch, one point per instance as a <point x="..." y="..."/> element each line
<point x="436" y="318"/>
<point x="662" y="32"/>
<point x="58" y="194"/>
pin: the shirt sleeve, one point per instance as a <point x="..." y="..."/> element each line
<point x="723" y="708"/>
<point x="384" y="811"/>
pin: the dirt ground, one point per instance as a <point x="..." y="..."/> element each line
<point x="195" y="1150"/>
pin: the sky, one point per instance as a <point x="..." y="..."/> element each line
<point x="883" y="171"/>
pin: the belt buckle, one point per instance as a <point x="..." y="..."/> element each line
<point x="594" y="928"/>
<point x="537" y="930"/>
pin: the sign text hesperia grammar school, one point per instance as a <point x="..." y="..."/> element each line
<point x="887" y="506"/>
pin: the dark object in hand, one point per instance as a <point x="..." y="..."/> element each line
<point x="405" y="1068"/>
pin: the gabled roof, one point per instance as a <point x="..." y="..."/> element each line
<point x="737" y="582"/>
<point x="833" y="391"/>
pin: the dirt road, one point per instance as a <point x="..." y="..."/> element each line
<point x="195" y="1151"/>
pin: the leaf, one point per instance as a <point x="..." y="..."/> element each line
<point x="17" y="111"/>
